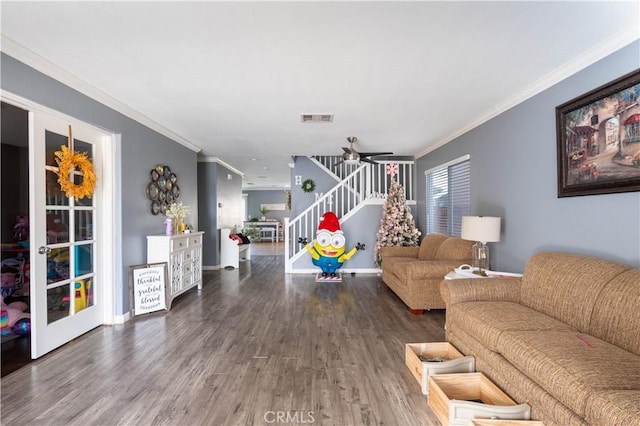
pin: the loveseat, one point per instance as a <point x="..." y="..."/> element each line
<point x="564" y="338"/>
<point x="414" y="273"/>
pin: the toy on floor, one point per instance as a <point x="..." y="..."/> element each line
<point x="15" y="318"/>
<point x="327" y="250"/>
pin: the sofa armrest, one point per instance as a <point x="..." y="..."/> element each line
<point x="400" y="251"/>
<point x="480" y="289"/>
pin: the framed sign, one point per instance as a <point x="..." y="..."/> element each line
<point x="147" y="287"/>
<point x="272" y="207"/>
<point x="598" y="140"/>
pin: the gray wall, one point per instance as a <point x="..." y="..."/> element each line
<point x="304" y="167"/>
<point x="214" y="188"/>
<point x="257" y="198"/>
<point x="142" y="148"/>
<point x="513" y="175"/>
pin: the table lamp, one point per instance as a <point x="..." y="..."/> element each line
<point x="483" y="230"/>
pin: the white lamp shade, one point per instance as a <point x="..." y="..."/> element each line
<point x="485" y="229"/>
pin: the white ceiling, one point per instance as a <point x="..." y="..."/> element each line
<point x="232" y="78"/>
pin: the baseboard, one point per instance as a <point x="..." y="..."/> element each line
<point x="121" y="319"/>
<point x="210" y="268"/>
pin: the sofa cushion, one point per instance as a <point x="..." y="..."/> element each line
<point x="429" y="246"/>
<point x="455" y="248"/>
<point x="421" y="270"/>
<point x="486" y="321"/>
<point x="616" y="315"/>
<point x="614" y="407"/>
<point x="566" y="286"/>
<point x="571" y="365"/>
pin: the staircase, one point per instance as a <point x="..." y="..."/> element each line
<point x="357" y="186"/>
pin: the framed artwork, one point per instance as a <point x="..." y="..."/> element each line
<point x="598" y="140"/>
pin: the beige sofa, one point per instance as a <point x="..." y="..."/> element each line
<point x="564" y="338"/>
<point x="414" y="273"/>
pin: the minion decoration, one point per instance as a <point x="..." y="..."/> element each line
<point x="327" y="250"/>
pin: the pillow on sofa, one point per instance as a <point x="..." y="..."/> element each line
<point x="429" y="246"/>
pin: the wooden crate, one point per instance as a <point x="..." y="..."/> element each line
<point x="421" y="370"/>
<point x="457" y="398"/>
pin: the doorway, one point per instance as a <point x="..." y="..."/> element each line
<point x="14" y="235"/>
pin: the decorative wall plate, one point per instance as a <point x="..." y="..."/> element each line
<point x="163" y="188"/>
<point x="152" y="191"/>
<point x="155" y="207"/>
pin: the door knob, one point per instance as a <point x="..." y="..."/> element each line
<point x="44" y="250"/>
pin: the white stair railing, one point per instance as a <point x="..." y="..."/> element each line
<point x="335" y="165"/>
<point x="381" y="182"/>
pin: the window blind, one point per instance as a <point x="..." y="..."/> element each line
<point x="448" y="196"/>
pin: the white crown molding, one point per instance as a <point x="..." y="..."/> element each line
<point x="591" y="56"/>
<point x="221" y="162"/>
<point x="48" y="68"/>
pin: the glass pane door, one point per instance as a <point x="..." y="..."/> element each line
<point x="65" y="278"/>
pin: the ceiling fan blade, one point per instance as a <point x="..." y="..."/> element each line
<point x="374" y="154"/>
<point x="366" y="160"/>
<point x="347" y="150"/>
<point x="338" y="163"/>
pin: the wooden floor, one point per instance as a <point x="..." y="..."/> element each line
<point x="253" y="347"/>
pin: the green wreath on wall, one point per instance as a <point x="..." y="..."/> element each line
<point x="308" y="185"/>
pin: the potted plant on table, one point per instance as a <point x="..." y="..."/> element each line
<point x="177" y="212"/>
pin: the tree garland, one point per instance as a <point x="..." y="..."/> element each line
<point x="308" y="186"/>
<point x="68" y="162"/>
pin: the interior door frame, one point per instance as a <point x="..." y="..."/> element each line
<point x="111" y="257"/>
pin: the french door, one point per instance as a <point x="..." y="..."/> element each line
<point x="66" y="236"/>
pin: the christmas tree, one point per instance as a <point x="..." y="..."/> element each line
<point x="397" y="227"/>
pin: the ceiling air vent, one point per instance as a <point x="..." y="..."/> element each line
<point x="316" y="118"/>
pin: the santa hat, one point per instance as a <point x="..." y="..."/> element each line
<point x="329" y="222"/>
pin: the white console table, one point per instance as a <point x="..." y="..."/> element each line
<point x="183" y="254"/>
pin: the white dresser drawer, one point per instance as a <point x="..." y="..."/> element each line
<point x="195" y="240"/>
<point x="187" y="280"/>
<point x="179" y="243"/>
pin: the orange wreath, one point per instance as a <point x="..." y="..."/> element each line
<point x="68" y="162"/>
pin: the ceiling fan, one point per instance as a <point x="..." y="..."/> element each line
<point x="351" y="156"/>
